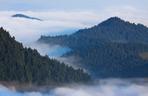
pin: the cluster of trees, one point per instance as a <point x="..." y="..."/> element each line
<point x="109" y="49"/>
<point x="25" y="65"/>
<point x="114" y="60"/>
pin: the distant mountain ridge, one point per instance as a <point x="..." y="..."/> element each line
<point x="116" y="29"/>
<point x="109" y="49"/>
<point x="112" y="30"/>
<point x="25" y="16"/>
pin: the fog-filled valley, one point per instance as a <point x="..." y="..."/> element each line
<point x="73" y="48"/>
<point x="107" y="87"/>
<point x="134" y="86"/>
<point x="53" y="51"/>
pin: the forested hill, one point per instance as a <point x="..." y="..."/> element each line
<point x="24" y="65"/>
<point x="113" y="29"/>
<point x="112" y="48"/>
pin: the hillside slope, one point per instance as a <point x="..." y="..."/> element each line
<point x="109" y="49"/>
<point x="24" y="65"/>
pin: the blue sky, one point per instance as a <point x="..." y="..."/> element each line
<point x="93" y="5"/>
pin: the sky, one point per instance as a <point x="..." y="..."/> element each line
<point x="66" y="16"/>
<point x="95" y="5"/>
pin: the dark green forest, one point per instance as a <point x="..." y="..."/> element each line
<point x="24" y="65"/>
<point x="109" y="49"/>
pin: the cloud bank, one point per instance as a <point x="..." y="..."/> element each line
<point x="53" y="51"/>
<point x="55" y="23"/>
<point x="118" y="88"/>
<point x="63" y="22"/>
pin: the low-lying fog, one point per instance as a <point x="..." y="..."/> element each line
<point x="56" y="52"/>
<point x="53" y="51"/>
<point x="104" y="88"/>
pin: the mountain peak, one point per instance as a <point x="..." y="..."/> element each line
<point x="112" y="21"/>
<point x="114" y="18"/>
<point x="25" y="16"/>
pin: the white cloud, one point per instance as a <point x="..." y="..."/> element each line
<point x="108" y="88"/>
<point x="128" y="13"/>
<point x="54" y="22"/>
<point x="62" y="22"/>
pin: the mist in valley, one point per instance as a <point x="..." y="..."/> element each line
<point x="57" y="20"/>
<point x="107" y="87"/>
<point x="53" y="51"/>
